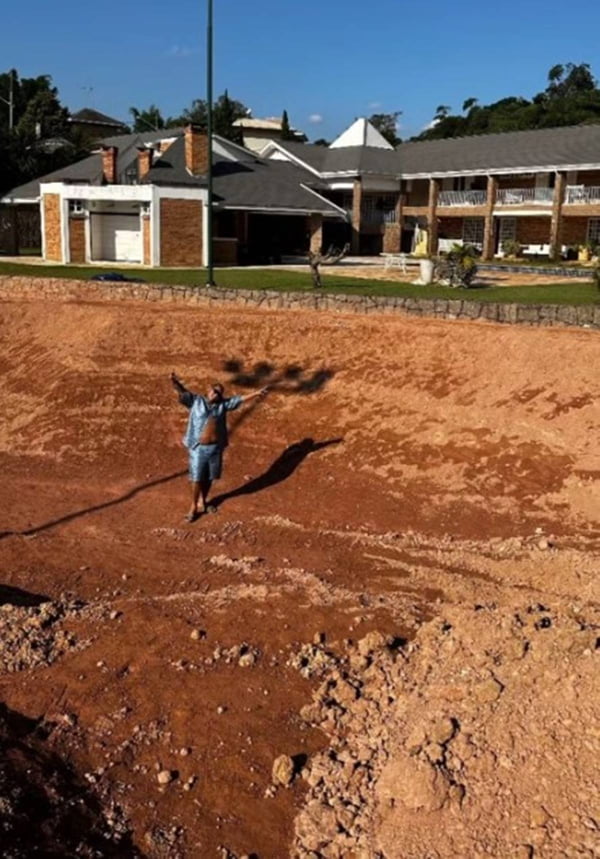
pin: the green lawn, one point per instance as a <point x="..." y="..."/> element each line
<point x="573" y="292"/>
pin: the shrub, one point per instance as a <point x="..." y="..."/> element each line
<point x="511" y="248"/>
<point x="458" y="267"/>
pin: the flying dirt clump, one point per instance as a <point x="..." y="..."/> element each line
<point x="33" y="636"/>
<point x="483" y="728"/>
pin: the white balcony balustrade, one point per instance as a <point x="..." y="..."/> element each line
<point x="582" y="195"/>
<point x="462" y="198"/>
<point x="524" y="197"/>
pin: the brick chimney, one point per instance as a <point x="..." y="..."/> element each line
<point x="109" y="164"/>
<point x="144" y="162"/>
<point x="196" y="151"/>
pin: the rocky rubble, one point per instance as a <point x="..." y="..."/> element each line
<point x="32" y="636"/>
<point x="482" y="729"/>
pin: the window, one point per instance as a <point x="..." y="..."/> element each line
<point x="508" y="230"/>
<point x="593" y="233"/>
<point x="130" y="176"/>
<point x="473" y="231"/>
<point x="76" y="207"/>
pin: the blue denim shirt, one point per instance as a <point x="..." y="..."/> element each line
<point x="200" y="411"/>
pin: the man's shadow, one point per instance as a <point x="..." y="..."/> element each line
<point x="279" y="470"/>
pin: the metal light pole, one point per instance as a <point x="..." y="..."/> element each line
<point x="209" y="132"/>
<point x="11" y="100"/>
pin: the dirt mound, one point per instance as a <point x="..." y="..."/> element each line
<point x="477" y="739"/>
<point x="45" y="808"/>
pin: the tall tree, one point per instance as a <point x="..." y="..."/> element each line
<point x="286" y="131"/>
<point x="225" y="112"/>
<point x="387" y="125"/>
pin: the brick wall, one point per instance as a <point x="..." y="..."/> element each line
<point x="181" y="233"/>
<point x="451" y="228"/>
<point x="391" y="239"/>
<point x="196" y="151"/>
<point x="533" y="231"/>
<point x="574" y="231"/>
<point x="146" y="241"/>
<point x="52" y="224"/>
<point x="588" y="177"/>
<point x="77" y="239"/>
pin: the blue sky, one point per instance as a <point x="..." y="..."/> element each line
<point x="325" y="61"/>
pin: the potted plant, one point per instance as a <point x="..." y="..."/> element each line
<point x="511" y="248"/>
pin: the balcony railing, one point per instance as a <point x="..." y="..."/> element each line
<point x="462" y="198"/>
<point x="376" y="217"/>
<point x="582" y="194"/>
<point x="525" y="196"/>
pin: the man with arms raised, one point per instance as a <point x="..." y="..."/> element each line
<point x="206" y="437"/>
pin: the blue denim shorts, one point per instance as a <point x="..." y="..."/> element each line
<point x="205" y="459"/>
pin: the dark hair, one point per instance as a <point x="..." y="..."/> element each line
<point x="217" y="386"/>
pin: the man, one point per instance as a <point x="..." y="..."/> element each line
<point x="206" y="437"/>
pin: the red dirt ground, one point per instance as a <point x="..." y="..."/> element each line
<point x="453" y="448"/>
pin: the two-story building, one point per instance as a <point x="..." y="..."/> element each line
<point x="539" y="188"/>
<point x="143" y="198"/>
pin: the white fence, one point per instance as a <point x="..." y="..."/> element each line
<point x="462" y="198"/>
<point x="521" y="196"/>
<point x="582" y="194"/>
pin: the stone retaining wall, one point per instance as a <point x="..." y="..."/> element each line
<point x="583" y="316"/>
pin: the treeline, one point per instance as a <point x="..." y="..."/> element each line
<point x="572" y="97"/>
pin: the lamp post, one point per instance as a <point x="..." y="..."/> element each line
<point x="209" y="132"/>
<point x="10" y="101"/>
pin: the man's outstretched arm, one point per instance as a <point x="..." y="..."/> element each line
<point x="235" y="402"/>
<point x="186" y="398"/>
<point x="257" y="395"/>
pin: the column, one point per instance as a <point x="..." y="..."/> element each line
<point x="489" y="237"/>
<point x="432" y="224"/>
<point x="315" y="226"/>
<point x="556" y="220"/>
<point x="356" y="215"/>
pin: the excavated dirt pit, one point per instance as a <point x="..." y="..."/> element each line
<point x="384" y="644"/>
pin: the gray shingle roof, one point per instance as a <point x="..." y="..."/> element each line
<point x="90" y="169"/>
<point x="247" y="182"/>
<point x="548" y="147"/>
<point x="347" y="159"/>
<point x="88" y="114"/>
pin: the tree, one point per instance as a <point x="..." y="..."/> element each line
<point x="225" y="113"/>
<point x="469" y="104"/>
<point x="150" y="119"/>
<point x="387" y="125"/>
<point x="315" y="259"/>
<point x="38" y="116"/>
<point x="571" y="97"/>
<point x="286" y="131"/>
<point x="321" y="142"/>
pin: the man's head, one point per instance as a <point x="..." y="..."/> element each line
<point x="215" y="392"/>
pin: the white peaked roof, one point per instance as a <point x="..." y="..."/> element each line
<point x="361" y="133"/>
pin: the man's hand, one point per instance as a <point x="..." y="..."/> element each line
<point x="257" y="395"/>
<point x="176" y="382"/>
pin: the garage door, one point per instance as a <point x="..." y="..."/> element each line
<point x="119" y="238"/>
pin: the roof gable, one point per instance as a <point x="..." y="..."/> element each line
<point x="361" y="133"/>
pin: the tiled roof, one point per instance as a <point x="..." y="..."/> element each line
<point x="245" y="180"/>
<point x="87" y="114"/>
